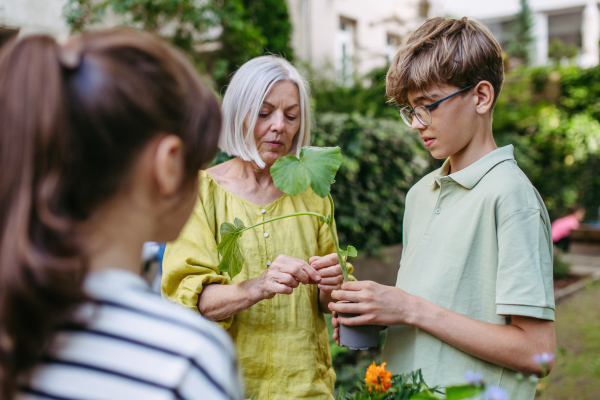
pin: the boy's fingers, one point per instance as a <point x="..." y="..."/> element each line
<point x="344" y="295"/>
<point x="350" y="308"/>
<point x="313" y="259"/>
<point x="355" y="285"/>
<point x="353" y="321"/>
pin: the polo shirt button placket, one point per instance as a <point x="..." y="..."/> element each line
<point x="438" y="210"/>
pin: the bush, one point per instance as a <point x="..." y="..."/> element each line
<point x="561" y="268"/>
<point x="368" y="100"/>
<point x="551" y="116"/>
<point x="382" y="160"/>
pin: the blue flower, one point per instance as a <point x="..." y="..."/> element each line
<point x="543" y="358"/>
<point x="474" y="378"/>
<point x="496" y="393"/>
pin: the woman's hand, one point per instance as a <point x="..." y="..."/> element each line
<point x="284" y="275"/>
<point x="331" y="278"/>
<point x="330" y="271"/>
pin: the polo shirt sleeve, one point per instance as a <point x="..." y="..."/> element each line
<point x="524" y="284"/>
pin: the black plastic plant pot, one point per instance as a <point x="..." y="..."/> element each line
<point x="359" y="337"/>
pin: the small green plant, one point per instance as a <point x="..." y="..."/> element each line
<point x="315" y="168"/>
<point x="380" y="384"/>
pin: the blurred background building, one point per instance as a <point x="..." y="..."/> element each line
<point x="32" y="16"/>
<point x="352" y="36"/>
<point x="575" y="23"/>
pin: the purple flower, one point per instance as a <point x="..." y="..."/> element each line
<point x="543" y="358"/>
<point x="474" y="378"/>
<point x="495" y="393"/>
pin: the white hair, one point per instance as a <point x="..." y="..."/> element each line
<point x="244" y="97"/>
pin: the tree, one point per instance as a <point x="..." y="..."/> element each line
<point x="219" y="35"/>
<point x="520" y="44"/>
<point x="273" y="19"/>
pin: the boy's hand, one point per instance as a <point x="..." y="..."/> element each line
<point x="377" y="304"/>
<point x="330" y="271"/>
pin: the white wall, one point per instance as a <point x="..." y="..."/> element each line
<point x="574" y="18"/>
<point x="316" y="25"/>
<point x="496" y="9"/>
<point x="34" y="16"/>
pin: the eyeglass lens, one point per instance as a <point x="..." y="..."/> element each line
<point x="421" y="112"/>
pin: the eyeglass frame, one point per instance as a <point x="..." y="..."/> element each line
<point x="427" y="107"/>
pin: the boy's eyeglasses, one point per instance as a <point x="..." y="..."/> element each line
<point x="422" y="112"/>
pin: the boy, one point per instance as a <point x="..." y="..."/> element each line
<point x="474" y="289"/>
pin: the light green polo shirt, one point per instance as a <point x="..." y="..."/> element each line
<point x="477" y="242"/>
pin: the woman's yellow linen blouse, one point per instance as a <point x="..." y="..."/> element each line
<point x="282" y="342"/>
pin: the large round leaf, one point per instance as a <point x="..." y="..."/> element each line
<point x="316" y="167"/>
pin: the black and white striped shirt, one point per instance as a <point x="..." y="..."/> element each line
<point x="136" y="346"/>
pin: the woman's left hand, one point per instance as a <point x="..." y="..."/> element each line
<point x="329" y="269"/>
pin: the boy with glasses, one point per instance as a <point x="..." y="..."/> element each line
<point x="474" y="290"/>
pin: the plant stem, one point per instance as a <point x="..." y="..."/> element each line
<point x="335" y="240"/>
<point x="329" y="222"/>
<point x="285" y="216"/>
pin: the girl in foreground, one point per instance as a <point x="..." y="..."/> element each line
<point x="100" y="146"/>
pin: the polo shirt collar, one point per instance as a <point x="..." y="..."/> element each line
<point x="470" y="176"/>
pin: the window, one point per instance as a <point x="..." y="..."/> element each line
<point x="345" y="43"/>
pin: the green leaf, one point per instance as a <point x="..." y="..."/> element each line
<point x="316" y="167"/>
<point x="351" y="251"/>
<point x="232" y="259"/>
<point x="462" y="392"/>
<point x="425" y="396"/>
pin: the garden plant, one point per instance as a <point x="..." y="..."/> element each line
<point x="316" y="168"/>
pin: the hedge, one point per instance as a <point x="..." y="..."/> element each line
<point x="383" y="158"/>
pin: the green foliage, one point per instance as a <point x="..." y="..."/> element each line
<point x="232" y="259"/>
<point x="404" y="387"/>
<point x="520" y="44"/>
<point x="411" y="386"/>
<point x="188" y="16"/>
<point x="383" y="158"/>
<point x="551" y="116"/>
<point x="365" y="97"/>
<point x="273" y="19"/>
<point x="463" y="392"/>
<point x="559" y="51"/>
<point x="240" y="40"/>
<point x="561" y="268"/>
<point x="248" y="28"/>
<point x="316" y="167"/>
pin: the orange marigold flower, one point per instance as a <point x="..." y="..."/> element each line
<point x="378" y="378"/>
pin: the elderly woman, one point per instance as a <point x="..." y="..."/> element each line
<point x="274" y="308"/>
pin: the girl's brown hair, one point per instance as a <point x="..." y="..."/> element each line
<point x="458" y="52"/>
<point x="72" y="120"/>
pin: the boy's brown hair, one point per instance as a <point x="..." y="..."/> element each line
<point x="458" y="52"/>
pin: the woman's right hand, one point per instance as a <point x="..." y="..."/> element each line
<point x="284" y="275"/>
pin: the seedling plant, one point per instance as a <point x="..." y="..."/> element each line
<point x="316" y="168"/>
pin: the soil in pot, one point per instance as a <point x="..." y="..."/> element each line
<point x="360" y="337"/>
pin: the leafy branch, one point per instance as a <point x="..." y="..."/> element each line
<point x="315" y="168"/>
